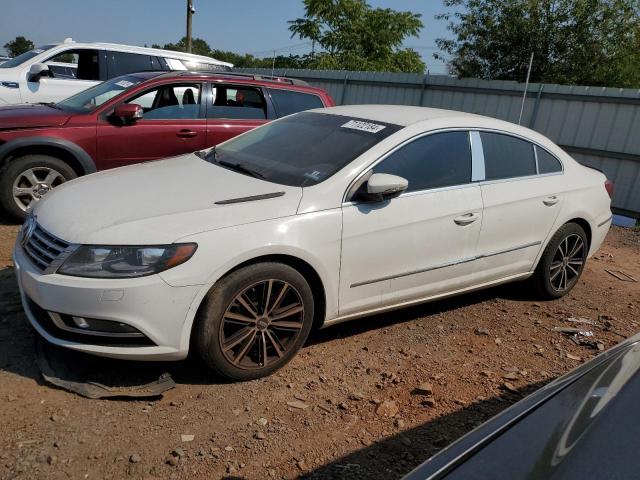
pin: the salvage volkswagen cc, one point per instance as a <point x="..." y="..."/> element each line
<point x="316" y="218"/>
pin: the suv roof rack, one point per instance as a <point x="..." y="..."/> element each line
<point x="251" y="76"/>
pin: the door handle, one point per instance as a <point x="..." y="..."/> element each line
<point x="186" y="133"/>
<point x="466" y="219"/>
<point x="551" y="201"/>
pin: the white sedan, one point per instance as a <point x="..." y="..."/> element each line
<point x="311" y="220"/>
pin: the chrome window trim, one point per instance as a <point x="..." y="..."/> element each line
<point x="477" y="157"/>
<point x="535" y="156"/>
<point x="446" y="265"/>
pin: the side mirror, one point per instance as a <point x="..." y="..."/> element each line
<point x="128" y="112"/>
<point x="38" y="70"/>
<point x="382" y="186"/>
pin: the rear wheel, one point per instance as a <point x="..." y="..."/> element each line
<point x="27" y="179"/>
<point x="254" y="321"/>
<point x="562" y="262"/>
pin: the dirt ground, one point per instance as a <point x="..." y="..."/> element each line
<point x="362" y="414"/>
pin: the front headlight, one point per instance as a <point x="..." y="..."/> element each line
<point x="125" y="262"/>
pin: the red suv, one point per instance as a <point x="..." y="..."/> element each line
<point x="131" y="119"/>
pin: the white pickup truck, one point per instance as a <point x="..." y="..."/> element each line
<point x="36" y="76"/>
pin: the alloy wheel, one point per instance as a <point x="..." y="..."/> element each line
<point x="261" y="324"/>
<point x="34" y="183"/>
<point x="567" y="262"/>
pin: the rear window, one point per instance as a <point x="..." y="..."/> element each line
<point x="506" y="156"/>
<point x="303" y="149"/>
<point x="287" y="102"/>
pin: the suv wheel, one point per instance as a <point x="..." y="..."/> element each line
<point x="254" y="321"/>
<point x="27" y="179"/>
<point x="562" y="262"/>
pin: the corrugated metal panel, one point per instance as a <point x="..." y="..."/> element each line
<point x="603" y="122"/>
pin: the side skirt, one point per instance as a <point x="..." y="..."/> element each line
<point x="396" y="306"/>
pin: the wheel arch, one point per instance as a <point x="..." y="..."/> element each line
<point x="579" y="220"/>
<point x="302" y="266"/>
<point x="77" y="158"/>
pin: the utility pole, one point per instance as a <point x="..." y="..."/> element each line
<point x="190" y="12"/>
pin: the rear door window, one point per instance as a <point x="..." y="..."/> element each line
<point x="547" y="163"/>
<point x="287" y="102"/>
<point x="433" y="161"/>
<point x="122" y="63"/>
<point x="237" y="102"/>
<point x="506" y="156"/>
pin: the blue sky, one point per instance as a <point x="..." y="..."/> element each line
<point x="248" y="26"/>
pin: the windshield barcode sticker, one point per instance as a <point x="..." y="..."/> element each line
<point x="363" y="126"/>
<point x="124" y="83"/>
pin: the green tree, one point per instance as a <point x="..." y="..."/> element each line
<point x="352" y="35"/>
<point x="198" y="46"/>
<point x="18" y="45"/>
<point x="585" y="42"/>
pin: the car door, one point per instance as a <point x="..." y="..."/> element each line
<point x="235" y="109"/>
<point x="522" y="195"/>
<point x="173" y="123"/>
<point x="421" y="243"/>
<point x="59" y="86"/>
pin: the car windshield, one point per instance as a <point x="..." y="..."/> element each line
<point x="93" y="97"/>
<point x="23" y="57"/>
<point x="302" y="149"/>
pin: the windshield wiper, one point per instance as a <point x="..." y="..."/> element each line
<point x="238" y="167"/>
<point x="50" y="104"/>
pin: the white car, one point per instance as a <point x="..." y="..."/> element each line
<point x="317" y="218"/>
<point x="57" y="71"/>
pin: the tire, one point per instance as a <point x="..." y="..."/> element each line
<point x="49" y="172"/>
<point x="235" y="327"/>
<point x="557" y="273"/>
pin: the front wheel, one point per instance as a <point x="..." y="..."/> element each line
<point x="25" y="180"/>
<point x="254" y="321"/>
<point x="562" y="262"/>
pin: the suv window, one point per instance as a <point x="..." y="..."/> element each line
<point x="242" y="103"/>
<point x="506" y="156"/>
<point x="288" y="102"/>
<point x="437" y="160"/>
<point x="121" y="63"/>
<point x="170" y="102"/>
<point x="84" y="60"/>
<point x="547" y="163"/>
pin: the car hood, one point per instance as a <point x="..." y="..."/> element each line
<point x="31" y="116"/>
<point x="160" y="202"/>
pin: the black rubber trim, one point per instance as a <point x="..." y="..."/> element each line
<point x="250" y="199"/>
<point x="87" y="163"/>
<point x="43" y="319"/>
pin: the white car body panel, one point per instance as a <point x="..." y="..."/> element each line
<point x="57" y="89"/>
<point x="368" y="257"/>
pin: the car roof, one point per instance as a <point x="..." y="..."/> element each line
<point x="398" y="114"/>
<point x="146" y="50"/>
<point x="237" y="77"/>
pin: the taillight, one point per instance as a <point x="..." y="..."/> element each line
<point x="608" y="186"/>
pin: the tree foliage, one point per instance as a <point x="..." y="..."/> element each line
<point x="585" y="42"/>
<point x="352" y="35"/>
<point x="18" y="45"/>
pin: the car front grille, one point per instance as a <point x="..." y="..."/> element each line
<point x="43" y="249"/>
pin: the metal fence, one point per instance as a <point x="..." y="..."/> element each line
<point x="598" y="126"/>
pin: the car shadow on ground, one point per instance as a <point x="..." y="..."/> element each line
<point x="18" y="340"/>
<point x="397" y="455"/>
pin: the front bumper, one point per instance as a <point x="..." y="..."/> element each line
<point x="148" y="304"/>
